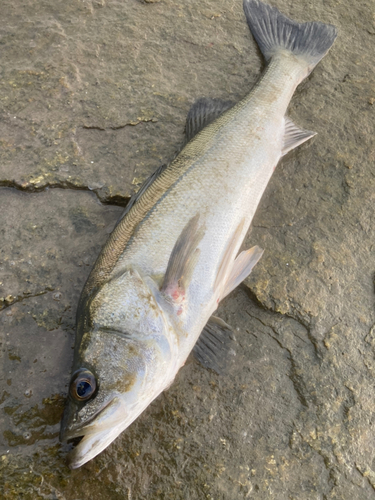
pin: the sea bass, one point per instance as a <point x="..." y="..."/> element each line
<point x="172" y="256"/>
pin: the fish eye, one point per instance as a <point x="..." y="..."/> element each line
<point x="82" y="385"/>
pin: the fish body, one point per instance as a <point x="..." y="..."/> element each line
<point x="173" y="255"/>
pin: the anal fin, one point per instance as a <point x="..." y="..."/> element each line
<point x="294" y="136"/>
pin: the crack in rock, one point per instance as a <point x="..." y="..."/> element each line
<point x="100" y="193"/>
<point x="119" y="127"/>
<point x="367" y="473"/>
<point x="10" y="300"/>
<point x="308" y="326"/>
<point x="331" y="468"/>
<point x="293" y="375"/>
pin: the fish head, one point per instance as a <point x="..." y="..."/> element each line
<point x="121" y="363"/>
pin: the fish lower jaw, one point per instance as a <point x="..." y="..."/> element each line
<point x="90" y="446"/>
<point x="80" y="431"/>
<point x="106" y="426"/>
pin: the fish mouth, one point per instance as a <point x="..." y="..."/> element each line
<point x="67" y="435"/>
<point x="97" y="434"/>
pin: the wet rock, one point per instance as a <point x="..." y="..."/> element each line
<point x="94" y="96"/>
<point x="37" y="323"/>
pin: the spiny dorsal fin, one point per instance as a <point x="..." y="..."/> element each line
<point x="203" y="112"/>
<point x="215" y="346"/>
<point x="146" y="184"/>
<point x="294" y="136"/>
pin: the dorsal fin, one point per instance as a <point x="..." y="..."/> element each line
<point x="147" y="183"/>
<point x="203" y="112"/>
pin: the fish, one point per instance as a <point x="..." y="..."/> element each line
<point x="174" y="254"/>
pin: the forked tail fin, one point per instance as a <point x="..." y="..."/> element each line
<point x="275" y="32"/>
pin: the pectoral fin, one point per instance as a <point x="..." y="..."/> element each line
<point x="215" y="346"/>
<point x="182" y="262"/>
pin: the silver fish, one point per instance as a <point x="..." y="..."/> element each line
<point x="173" y="255"/>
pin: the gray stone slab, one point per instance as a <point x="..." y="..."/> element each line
<point x="93" y="98"/>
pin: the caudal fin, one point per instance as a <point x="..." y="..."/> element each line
<point x="275" y="32"/>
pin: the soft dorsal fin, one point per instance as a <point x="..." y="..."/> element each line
<point x="294" y="136"/>
<point x="203" y="112"/>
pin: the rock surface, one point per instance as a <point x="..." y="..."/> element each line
<point x="94" y="95"/>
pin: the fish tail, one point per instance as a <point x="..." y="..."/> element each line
<point x="275" y="33"/>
